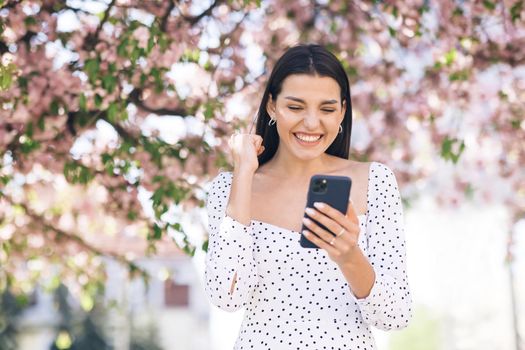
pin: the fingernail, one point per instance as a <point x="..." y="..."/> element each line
<point x="309" y="211"/>
<point x="306" y="220"/>
<point x="318" y="205"/>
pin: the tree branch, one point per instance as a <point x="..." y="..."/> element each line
<point x="134" y="97"/>
<point x="195" y="19"/>
<point x="92" y="39"/>
<point x="74" y="237"/>
<point x="10" y="4"/>
<point x="164" y="19"/>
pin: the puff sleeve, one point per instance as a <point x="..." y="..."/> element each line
<point x="229" y="251"/>
<point x="388" y="306"/>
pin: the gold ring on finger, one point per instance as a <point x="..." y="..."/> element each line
<point x="332" y="241"/>
<point x="341" y="232"/>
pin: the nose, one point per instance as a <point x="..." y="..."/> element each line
<point x="311" y="120"/>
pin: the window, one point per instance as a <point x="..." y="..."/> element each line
<point x="176" y="295"/>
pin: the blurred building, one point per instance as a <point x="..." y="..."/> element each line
<point x="170" y="308"/>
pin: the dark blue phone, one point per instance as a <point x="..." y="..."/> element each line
<point x="330" y="189"/>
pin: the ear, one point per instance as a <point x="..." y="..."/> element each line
<point x="343" y="108"/>
<point x="270" y="106"/>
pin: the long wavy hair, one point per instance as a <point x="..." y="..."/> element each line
<point x="304" y="59"/>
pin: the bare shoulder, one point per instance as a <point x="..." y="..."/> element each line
<point x="355" y="169"/>
<point x="358" y="172"/>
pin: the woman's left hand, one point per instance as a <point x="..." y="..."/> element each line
<point x="342" y="247"/>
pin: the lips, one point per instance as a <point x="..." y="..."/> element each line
<point x="308" y="139"/>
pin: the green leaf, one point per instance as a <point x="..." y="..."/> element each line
<point x="109" y="82"/>
<point x="27" y="144"/>
<point x="208" y="111"/>
<point x="451" y="149"/>
<point x="92" y="67"/>
<point x="156" y="197"/>
<point x="41" y="124"/>
<point x="30" y="20"/>
<point x="77" y="173"/>
<point x="98" y="100"/>
<point x="458" y="11"/>
<point x="191" y="56"/>
<point x="515" y="10"/>
<point x="135" y="54"/>
<point x="156" y="234"/>
<point x="423" y="8"/>
<point x="123" y="115"/>
<point x="5" y="80"/>
<point x="461" y="75"/>
<point x="395" y="11"/>
<point x="163" y="42"/>
<point x="82" y="102"/>
<point x="112" y="112"/>
<point x="23" y="83"/>
<point x="122" y="48"/>
<point x="29" y="129"/>
<point x="151" y="43"/>
<point x="205" y="246"/>
<point x="392" y="31"/>
<point x="7" y="74"/>
<point x="489" y="5"/>
<point x="450" y="57"/>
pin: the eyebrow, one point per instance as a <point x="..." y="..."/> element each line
<point x="302" y="101"/>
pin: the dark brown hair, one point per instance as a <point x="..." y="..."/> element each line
<point x="304" y="59"/>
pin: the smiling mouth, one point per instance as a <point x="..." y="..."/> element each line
<point x="308" y="138"/>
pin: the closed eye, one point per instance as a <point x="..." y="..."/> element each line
<point x="297" y="108"/>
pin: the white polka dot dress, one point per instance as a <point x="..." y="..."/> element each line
<point x="297" y="298"/>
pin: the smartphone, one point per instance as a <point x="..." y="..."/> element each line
<point x="329" y="189"/>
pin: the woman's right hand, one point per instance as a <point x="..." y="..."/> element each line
<point x="244" y="149"/>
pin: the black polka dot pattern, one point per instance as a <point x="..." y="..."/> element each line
<point x="297" y="298"/>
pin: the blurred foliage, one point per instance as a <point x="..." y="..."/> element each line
<point x="115" y="116"/>
<point x="423" y="333"/>
<point x="11" y="307"/>
<point x="77" y="329"/>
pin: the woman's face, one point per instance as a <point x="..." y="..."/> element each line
<point x="308" y="113"/>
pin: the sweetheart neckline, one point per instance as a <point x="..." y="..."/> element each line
<point x="358" y="216"/>
<point x="285" y="229"/>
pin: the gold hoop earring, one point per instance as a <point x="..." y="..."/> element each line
<point x="271" y="122"/>
<point x="340" y="129"/>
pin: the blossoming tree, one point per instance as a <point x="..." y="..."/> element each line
<point x="85" y="89"/>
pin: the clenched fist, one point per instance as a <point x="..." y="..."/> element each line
<point x="244" y="149"/>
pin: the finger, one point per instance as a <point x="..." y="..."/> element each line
<point x="324" y="220"/>
<point x="351" y="214"/>
<point x="323" y="234"/>
<point x="319" y="242"/>
<point x="261" y="150"/>
<point x="336" y="216"/>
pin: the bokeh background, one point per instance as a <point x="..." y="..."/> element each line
<point x="115" y="115"/>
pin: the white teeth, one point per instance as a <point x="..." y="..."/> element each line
<point x="307" y="138"/>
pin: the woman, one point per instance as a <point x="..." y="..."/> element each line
<point x="297" y="298"/>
